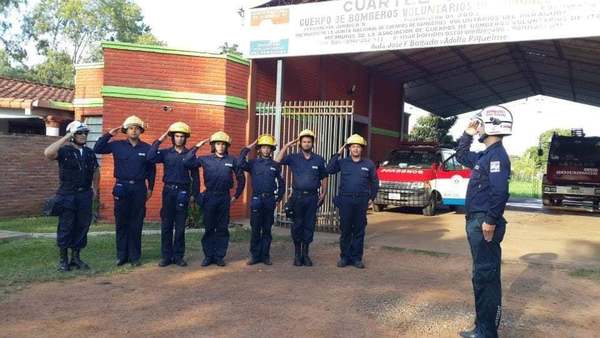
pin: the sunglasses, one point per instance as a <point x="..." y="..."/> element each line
<point x="81" y="133"/>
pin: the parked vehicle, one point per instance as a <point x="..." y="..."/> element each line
<point x="573" y="171"/>
<point x="422" y="175"/>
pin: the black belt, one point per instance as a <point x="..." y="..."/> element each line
<point x="306" y="192"/>
<point x="354" y="194"/>
<point x="471" y="215"/>
<point x="264" y="194"/>
<point x="213" y="192"/>
<point x="177" y="186"/>
<point x="130" y="181"/>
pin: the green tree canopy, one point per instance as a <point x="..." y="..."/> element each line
<point x="433" y="128"/>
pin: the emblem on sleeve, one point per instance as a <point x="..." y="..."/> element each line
<point x="495" y="166"/>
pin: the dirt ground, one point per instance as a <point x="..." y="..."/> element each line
<point x="400" y="294"/>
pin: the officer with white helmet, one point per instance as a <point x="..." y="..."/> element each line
<point x="132" y="170"/>
<point x="358" y="188"/>
<point x="219" y="170"/>
<point x="79" y="175"/>
<point x="179" y="184"/>
<point x="487" y="194"/>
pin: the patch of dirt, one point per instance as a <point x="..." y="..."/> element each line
<point x="399" y="294"/>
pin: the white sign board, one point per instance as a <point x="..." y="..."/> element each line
<point x="351" y="26"/>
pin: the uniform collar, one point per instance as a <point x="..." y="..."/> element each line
<point x="172" y="149"/>
<point x="493" y="146"/>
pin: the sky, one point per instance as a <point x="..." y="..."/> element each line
<point x="204" y="25"/>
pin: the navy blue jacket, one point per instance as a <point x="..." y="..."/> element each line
<point x="76" y="168"/>
<point x="307" y="173"/>
<point x="488" y="187"/>
<point x="130" y="162"/>
<point x="356" y="177"/>
<point x="266" y="174"/>
<point x="174" y="170"/>
<point x="218" y="171"/>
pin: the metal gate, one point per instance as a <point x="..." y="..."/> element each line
<point x="332" y="122"/>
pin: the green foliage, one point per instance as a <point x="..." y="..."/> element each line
<point x="433" y="128"/>
<point x="11" y="46"/>
<point x="57" y="70"/>
<point x="230" y="49"/>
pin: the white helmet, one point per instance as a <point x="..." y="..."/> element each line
<point x="496" y="120"/>
<point x="77" y="126"/>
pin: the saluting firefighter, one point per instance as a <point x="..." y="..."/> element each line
<point x="179" y="184"/>
<point x="487" y="194"/>
<point x="309" y="186"/>
<point x="132" y="172"/>
<point x="268" y="188"/>
<point x="358" y="188"/>
<point x="79" y="176"/>
<point x="219" y="171"/>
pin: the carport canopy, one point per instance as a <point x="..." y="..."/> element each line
<point x="451" y="80"/>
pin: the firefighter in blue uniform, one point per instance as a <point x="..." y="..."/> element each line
<point x="132" y="170"/>
<point x="358" y="188"/>
<point x="219" y="168"/>
<point x="79" y="176"/>
<point x="268" y="188"/>
<point x="179" y="184"/>
<point x="309" y="186"/>
<point x="487" y="194"/>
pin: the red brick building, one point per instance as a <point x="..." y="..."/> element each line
<point x="214" y="92"/>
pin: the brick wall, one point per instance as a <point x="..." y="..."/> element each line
<point x="174" y="73"/>
<point x="89" y="85"/>
<point x="27" y="178"/>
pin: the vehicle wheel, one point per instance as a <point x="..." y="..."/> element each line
<point x="429" y="210"/>
<point x="378" y="207"/>
<point x="546" y="202"/>
<point x="557" y="202"/>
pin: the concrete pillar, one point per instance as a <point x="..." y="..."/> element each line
<point x="52" y="125"/>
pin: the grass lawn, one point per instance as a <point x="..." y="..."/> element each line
<point x="525" y="189"/>
<point x="34" y="260"/>
<point x="48" y="224"/>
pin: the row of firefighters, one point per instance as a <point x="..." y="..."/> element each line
<point x="135" y="170"/>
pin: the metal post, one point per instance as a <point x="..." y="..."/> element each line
<point x="278" y="104"/>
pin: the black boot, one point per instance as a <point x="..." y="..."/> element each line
<point x="297" y="254"/>
<point x="63" y="263"/>
<point x="305" y="257"/>
<point x="76" y="262"/>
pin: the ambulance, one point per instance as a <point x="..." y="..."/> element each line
<point x="421" y="175"/>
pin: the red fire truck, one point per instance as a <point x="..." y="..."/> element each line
<point x="572" y="176"/>
<point x="422" y="175"/>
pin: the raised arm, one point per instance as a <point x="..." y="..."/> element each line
<point x="51" y="152"/>
<point x="463" y="153"/>
<point x="103" y="146"/>
<point x="154" y="155"/>
<point x="284" y="149"/>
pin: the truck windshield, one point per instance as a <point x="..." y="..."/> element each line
<point x="570" y="151"/>
<point x="411" y="159"/>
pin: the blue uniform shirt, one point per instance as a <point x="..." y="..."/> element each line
<point x="130" y="162"/>
<point x="174" y="170"/>
<point x="307" y="173"/>
<point x="266" y="174"/>
<point x="76" y="168"/>
<point x="488" y="187"/>
<point x="356" y="177"/>
<point x="218" y="171"/>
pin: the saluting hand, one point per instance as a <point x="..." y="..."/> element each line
<point x="114" y="131"/>
<point x="148" y="194"/>
<point x="201" y="143"/>
<point x="251" y="145"/>
<point x="472" y="128"/>
<point x="233" y="199"/>
<point x="341" y="151"/>
<point x="163" y="136"/>
<point x="292" y="142"/>
<point x="488" y="231"/>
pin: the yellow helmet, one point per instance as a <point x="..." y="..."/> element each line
<point x="266" y="140"/>
<point x="306" y="132"/>
<point x="133" y="121"/>
<point x="180" y="127"/>
<point x="356" y="139"/>
<point x="220" y="137"/>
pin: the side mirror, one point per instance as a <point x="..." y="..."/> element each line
<point x="540" y="152"/>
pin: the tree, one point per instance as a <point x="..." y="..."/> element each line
<point x="77" y="26"/>
<point x="12" y="49"/>
<point x="230" y="49"/>
<point x="433" y="128"/>
<point x="57" y="70"/>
